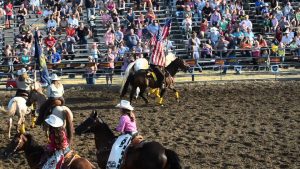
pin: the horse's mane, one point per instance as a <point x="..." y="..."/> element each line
<point x="31" y="143"/>
<point x="108" y="131"/>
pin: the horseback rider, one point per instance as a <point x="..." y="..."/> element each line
<point x="23" y="83"/>
<point x="55" y="93"/>
<point x="128" y="129"/>
<point x="59" y="143"/>
<point x="157" y="63"/>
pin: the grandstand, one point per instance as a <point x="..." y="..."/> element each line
<point x="179" y="39"/>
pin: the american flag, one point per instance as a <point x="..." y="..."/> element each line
<point x="158" y="56"/>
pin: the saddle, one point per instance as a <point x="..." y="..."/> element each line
<point x="136" y="141"/>
<point x="69" y="158"/>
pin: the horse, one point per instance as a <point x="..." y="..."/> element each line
<point x="146" y="155"/>
<point x="37" y="98"/>
<point x="34" y="153"/>
<point x="143" y="79"/>
<point x="17" y="106"/>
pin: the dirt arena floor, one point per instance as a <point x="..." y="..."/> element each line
<point x="253" y="124"/>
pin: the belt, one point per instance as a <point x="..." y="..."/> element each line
<point x="132" y="133"/>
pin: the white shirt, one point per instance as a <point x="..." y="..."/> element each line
<point x="52" y="91"/>
<point x="47" y="13"/>
<point x="247" y="23"/>
<point x="286" y="39"/>
<point x="73" y="22"/>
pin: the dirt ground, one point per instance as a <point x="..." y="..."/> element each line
<point x="253" y="124"/>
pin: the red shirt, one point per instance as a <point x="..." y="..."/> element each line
<point x="50" y="42"/>
<point x="53" y="145"/>
<point x="9" y="9"/>
<point x="71" y="31"/>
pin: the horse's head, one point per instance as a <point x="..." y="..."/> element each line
<point x="89" y="125"/>
<point x="182" y="64"/>
<point x="16" y="144"/>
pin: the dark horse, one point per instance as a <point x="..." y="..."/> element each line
<point x="143" y="80"/>
<point x="34" y="152"/>
<point x="147" y="155"/>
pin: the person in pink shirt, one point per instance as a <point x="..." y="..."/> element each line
<point x="111" y="65"/>
<point x="109" y="37"/>
<point x="128" y="129"/>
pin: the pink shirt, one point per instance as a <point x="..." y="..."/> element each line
<point x="126" y="125"/>
<point x="53" y="146"/>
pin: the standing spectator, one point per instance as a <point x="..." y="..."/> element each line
<point x="187" y="26"/>
<point x="194" y="45"/>
<point x="123" y="50"/>
<point x="110" y="5"/>
<point x="150" y="15"/>
<point x="82" y="33"/>
<point x="91" y="71"/>
<point x="106" y="18"/>
<point x="132" y="39"/>
<point x="221" y="47"/>
<point x="95" y="52"/>
<point x="153" y="27"/>
<point x="25" y="58"/>
<point x="130" y="16"/>
<point x="9" y="13"/>
<point x="49" y="42"/>
<point x="109" y="37"/>
<point x="256" y="50"/>
<point x="110" y="70"/>
<point x="246" y="23"/>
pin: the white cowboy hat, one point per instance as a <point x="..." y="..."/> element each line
<point x="124" y="104"/>
<point x="54" y="77"/>
<point x="213" y="29"/>
<point x="21" y="71"/>
<point x="54" y="121"/>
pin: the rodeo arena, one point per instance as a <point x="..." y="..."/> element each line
<point x="149" y="84"/>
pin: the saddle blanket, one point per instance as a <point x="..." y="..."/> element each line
<point x="118" y="151"/>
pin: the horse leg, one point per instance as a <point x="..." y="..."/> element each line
<point x="141" y="94"/>
<point x="9" y="127"/>
<point x="21" y="124"/>
<point x="176" y="93"/>
<point x="160" y="101"/>
<point x="133" y="91"/>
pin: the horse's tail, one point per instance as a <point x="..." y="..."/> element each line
<point x="125" y="82"/>
<point x="126" y="85"/>
<point x="173" y="160"/>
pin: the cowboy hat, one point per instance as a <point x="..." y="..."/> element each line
<point x="54" y="77"/>
<point x="124" y="104"/>
<point x="21" y="71"/>
<point x="54" y="121"/>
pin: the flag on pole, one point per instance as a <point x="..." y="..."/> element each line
<point x="40" y="61"/>
<point x="158" y="55"/>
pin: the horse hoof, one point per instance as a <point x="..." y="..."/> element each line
<point x="177" y="100"/>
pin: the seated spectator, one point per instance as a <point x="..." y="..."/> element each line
<point x="274" y="4"/>
<point x="237" y="34"/>
<point x="63" y="24"/>
<point x="281" y="51"/>
<point x="295" y="47"/>
<point x="214" y="35"/>
<point x="47" y="13"/>
<point x="35" y="5"/>
<point x="206" y="50"/>
<point x="221" y="47"/>
<point x="132" y="39"/>
<point x="203" y="28"/>
<point x="115" y="17"/>
<point x="284" y="23"/>
<point x="54" y="57"/>
<point x="49" y="41"/>
<point x="141" y="18"/>
<point x="70" y="31"/>
<point x="25" y="58"/>
<point x="109" y="37"/>
<point x="265" y="9"/>
<point x="130" y="16"/>
<point x="106" y="18"/>
<point x="262" y="42"/>
<point x="245" y="46"/>
<point x="187" y="25"/>
<point x="138" y="50"/>
<point x="206" y="11"/>
<point x="119" y="36"/>
<point x="153" y="27"/>
<point x="274" y="23"/>
<point x="155" y="5"/>
<point x="286" y="39"/>
<point x="21" y="13"/>
<point x="297" y="17"/>
<point x="122" y="51"/>
<point x="180" y="8"/>
<point x="215" y="18"/>
<point x="51" y="24"/>
<point x="258" y="6"/>
<point x="266" y="24"/>
<point x="223" y="24"/>
<point x="288" y="10"/>
<point x="73" y="21"/>
<point x="246" y="23"/>
<point x="256" y="50"/>
<point x="28" y="40"/>
<point x="249" y="34"/>
<point x="110" y="5"/>
<point x="146" y="50"/>
<point x="90" y="6"/>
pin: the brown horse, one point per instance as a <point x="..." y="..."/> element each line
<point x="148" y="155"/>
<point x="143" y="79"/>
<point x="35" y="152"/>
